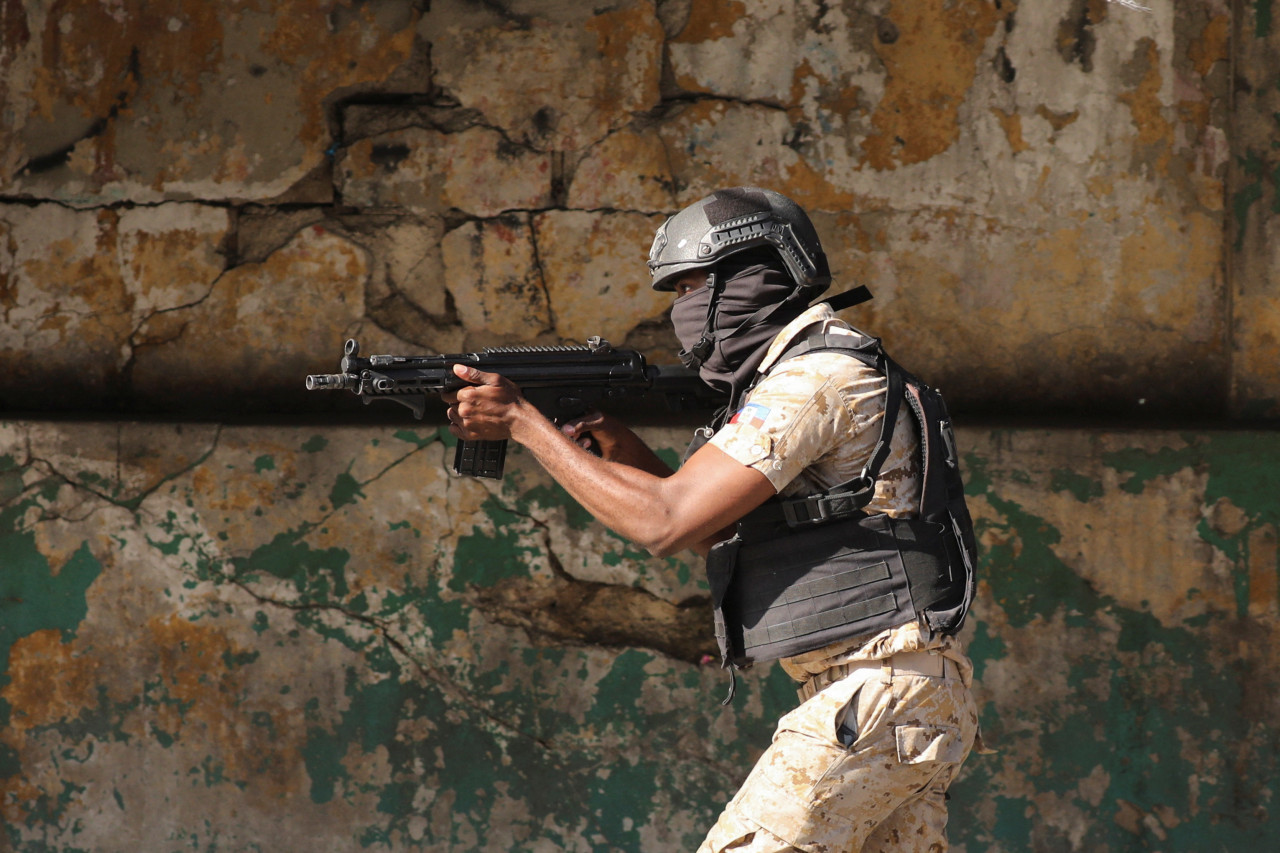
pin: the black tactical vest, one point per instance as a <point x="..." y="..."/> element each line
<point x="802" y="573"/>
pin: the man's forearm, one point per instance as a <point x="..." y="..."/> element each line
<point x="617" y="443"/>
<point x="663" y="514"/>
<point x="626" y="497"/>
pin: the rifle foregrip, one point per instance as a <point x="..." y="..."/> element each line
<point x="480" y="458"/>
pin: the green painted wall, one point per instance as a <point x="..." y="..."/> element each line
<point x="182" y="671"/>
<point x="275" y="620"/>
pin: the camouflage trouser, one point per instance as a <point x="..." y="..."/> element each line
<point x="863" y="765"/>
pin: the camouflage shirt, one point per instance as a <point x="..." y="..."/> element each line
<point x="811" y="423"/>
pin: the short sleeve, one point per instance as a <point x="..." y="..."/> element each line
<point x="791" y="419"/>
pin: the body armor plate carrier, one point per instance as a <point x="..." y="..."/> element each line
<point x="802" y="573"/>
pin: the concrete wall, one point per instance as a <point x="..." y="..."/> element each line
<point x="232" y="638"/>
<point x="235" y="615"/>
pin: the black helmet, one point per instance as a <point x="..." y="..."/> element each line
<point x="731" y="221"/>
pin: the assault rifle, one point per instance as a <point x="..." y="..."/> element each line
<point x="563" y="382"/>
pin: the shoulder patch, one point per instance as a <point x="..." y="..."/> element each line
<point x="752" y="415"/>
<point x="745" y="443"/>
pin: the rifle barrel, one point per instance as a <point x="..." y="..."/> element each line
<point x="332" y="381"/>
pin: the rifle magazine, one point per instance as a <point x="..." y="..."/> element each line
<point x="480" y="459"/>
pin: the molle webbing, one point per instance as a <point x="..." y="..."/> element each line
<point x="809" y="588"/>
<point x="813" y="602"/>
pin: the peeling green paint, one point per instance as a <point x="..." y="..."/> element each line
<point x="315" y="574"/>
<point x="1133" y="702"/>
<point x="1240" y="468"/>
<point x="484" y="558"/>
<point x="346" y="489"/>
<point x="553" y="495"/>
<point x="10" y="481"/>
<point x="1078" y="486"/>
<point x="421" y="441"/>
<point x="617" y="698"/>
<point x="1243" y="467"/>
<point x="368" y="723"/>
<point x="34" y="596"/>
<point x="1032" y="582"/>
<point x="563" y="747"/>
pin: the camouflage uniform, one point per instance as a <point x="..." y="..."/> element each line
<point x="864" y="762"/>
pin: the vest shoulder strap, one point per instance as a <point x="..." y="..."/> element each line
<point x="847" y="499"/>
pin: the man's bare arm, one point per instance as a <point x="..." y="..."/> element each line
<point x="616" y="442"/>
<point x="689" y="508"/>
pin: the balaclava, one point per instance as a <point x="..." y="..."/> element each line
<point x="726" y="327"/>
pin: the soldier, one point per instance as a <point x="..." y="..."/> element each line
<point x="830" y="508"/>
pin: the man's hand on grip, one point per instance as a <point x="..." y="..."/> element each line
<point x="487" y="409"/>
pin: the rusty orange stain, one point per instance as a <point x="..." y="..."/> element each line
<point x="203" y="480"/>
<point x="1195" y="113"/>
<point x="811" y="188"/>
<point x="1057" y="120"/>
<point x="108" y="234"/>
<point x="1012" y="124"/>
<point x="161" y="57"/>
<point x="1101" y="186"/>
<point x="200" y="689"/>
<point x="929" y="70"/>
<point x="1264" y="595"/>
<point x="160" y="329"/>
<point x="710" y="20"/>
<point x="347" y="60"/>
<point x="1154" y="130"/>
<point x="175" y="59"/>
<point x="80" y="286"/>
<point x="16" y="34"/>
<point x="1212" y="46"/>
<point x="49" y="681"/>
<point x="192" y="684"/>
<point x="160" y="259"/>
<point x="620" y="36"/>
<point x="846" y="101"/>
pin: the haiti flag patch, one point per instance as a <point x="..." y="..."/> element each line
<point x="752" y="414"/>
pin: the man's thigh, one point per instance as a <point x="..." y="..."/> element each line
<point x="732" y="835"/>
<point x="917" y="826"/>
<point x="819" y="784"/>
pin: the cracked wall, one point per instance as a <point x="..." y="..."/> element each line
<point x="223" y="637"/>
<point x="269" y="616"/>
<point x="1043" y="196"/>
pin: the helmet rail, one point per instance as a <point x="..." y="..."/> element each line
<point x="734" y="220"/>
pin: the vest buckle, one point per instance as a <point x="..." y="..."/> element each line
<point x="819" y="509"/>
<point x="804" y="511"/>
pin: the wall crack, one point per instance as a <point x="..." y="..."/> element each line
<point x="568" y="609"/>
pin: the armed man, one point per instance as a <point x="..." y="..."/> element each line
<point x="828" y="500"/>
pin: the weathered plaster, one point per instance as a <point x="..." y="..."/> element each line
<point x="595" y="66"/>
<point x="1253" y="200"/>
<point x="219" y="636"/>
<point x="282" y="634"/>
<point x="175" y="104"/>
<point x="81" y="288"/>
<point x="1034" y="192"/>
<point x="589" y="264"/>
<point x="475" y="171"/>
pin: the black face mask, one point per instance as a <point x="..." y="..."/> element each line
<point x="752" y="303"/>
